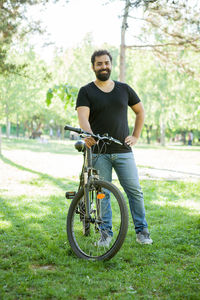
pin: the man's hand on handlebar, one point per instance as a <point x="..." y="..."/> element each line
<point x="89" y="141"/>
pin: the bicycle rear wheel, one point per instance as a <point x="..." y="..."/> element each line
<point x="87" y="246"/>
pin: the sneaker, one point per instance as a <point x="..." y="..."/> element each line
<point x="104" y="241"/>
<point x="143" y="238"/>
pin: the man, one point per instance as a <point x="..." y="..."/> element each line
<point x="190" y="138"/>
<point x="102" y="108"/>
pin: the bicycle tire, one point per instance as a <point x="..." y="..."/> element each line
<point x="85" y="224"/>
<point x="86" y="247"/>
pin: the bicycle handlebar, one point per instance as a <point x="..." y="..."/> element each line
<point x="95" y="136"/>
<point x="70" y="128"/>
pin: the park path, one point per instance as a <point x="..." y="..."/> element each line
<point x="168" y="164"/>
<point x="158" y="164"/>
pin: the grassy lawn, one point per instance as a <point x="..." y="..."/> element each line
<point x="36" y="261"/>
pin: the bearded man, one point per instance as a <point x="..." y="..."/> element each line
<point x="102" y="107"/>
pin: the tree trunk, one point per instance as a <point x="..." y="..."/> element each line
<point x="7" y="128"/>
<point x="122" y="74"/>
<point x="62" y="133"/>
<point x="162" y="131"/>
<point x="0" y="141"/>
<point x="17" y="129"/>
<point x="148" y="131"/>
<point x="7" y="122"/>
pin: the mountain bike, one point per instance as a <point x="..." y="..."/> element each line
<point x="87" y="221"/>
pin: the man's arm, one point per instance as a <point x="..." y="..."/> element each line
<point x="139" y="122"/>
<point x="83" y="117"/>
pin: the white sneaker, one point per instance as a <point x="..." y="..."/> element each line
<point x="143" y="238"/>
<point x="104" y="241"/>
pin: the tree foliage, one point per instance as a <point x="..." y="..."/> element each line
<point x="171" y="29"/>
<point x="162" y="67"/>
<point x="22" y="97"/>
<point x="67" y="94"/>
<point x="168" y="28"/>
<point x="168" y="95"/>
<point x="12" y="13"/>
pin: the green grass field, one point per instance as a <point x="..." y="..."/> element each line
<point x="36" y="261"/>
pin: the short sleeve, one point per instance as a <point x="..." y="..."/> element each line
<point x="82" y="99"/>
<point x="133" y="97"/>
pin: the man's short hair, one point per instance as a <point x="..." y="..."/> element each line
<point x="100" y="53"/>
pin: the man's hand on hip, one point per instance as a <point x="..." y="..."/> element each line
<point x="131" y="140"/>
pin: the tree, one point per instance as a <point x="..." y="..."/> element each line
<point x="12" y="13"/>
<point x="123" y="42"/>
<point x="170" y="25"/>
<point x="22" y="97"/>
<point x="173" y="28"/>
<point x="0" y="141"/>
<point x="165" y="92"/>
<point x="128" y="5"/>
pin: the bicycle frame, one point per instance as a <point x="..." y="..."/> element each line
<point x="88" y="174"/>
<point x="89" y="157"/>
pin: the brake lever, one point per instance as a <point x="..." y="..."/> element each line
<point x="127" y="146"/>
<point x="85" y="135"/>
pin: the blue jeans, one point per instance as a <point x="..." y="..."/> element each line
<point x="126" y="170"/>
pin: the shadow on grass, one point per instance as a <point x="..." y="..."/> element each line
<point x="43" y="221"/>
<point x="34" y="229"/>
<point x="44" y="176"/>
<point x="33" y="246"/>
<point x="40" y="212"/>
<point x="35" y="223"/>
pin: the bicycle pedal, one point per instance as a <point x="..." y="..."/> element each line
<point x="70" y="195"/>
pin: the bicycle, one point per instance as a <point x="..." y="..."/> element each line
<point x="87" y="224"/>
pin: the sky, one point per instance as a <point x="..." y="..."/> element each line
<point x="68" y="23"/>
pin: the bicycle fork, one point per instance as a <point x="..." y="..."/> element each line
<point x="93" y="200"/>
<point x="86" y="195"/>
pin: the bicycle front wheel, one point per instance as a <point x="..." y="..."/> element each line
<point x="108" y="221"/>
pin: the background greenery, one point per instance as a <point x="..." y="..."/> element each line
<point x="166" y="77"/>
<point x="166" y="93"/>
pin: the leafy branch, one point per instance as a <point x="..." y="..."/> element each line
<point x="66" y="93"/>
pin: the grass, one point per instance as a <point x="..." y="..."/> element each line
<point x="37" y="263"/>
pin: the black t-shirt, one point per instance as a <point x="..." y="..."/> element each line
<point x="108" y="111"/>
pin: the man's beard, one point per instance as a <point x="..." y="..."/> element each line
<point x="103" y="76"/>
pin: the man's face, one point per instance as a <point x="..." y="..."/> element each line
<point x="102" y="67"/>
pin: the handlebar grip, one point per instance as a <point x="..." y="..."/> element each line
<point x="70" y="128"/>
